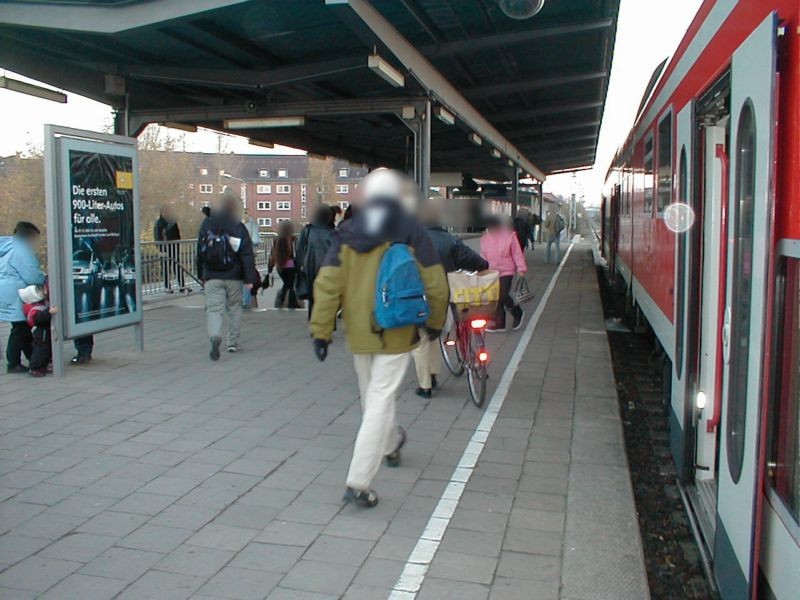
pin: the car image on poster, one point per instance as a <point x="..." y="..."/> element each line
<point x="102" y="223"/>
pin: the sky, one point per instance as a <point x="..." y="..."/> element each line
<point x="639" y="48"/>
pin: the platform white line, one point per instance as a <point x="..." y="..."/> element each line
<point x="419" y="561"/>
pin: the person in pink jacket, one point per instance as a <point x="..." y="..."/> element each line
<point x="499" y="246"/>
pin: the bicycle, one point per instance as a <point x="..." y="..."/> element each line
<point x="463" y="346"/>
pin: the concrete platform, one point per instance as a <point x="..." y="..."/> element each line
<point x="163" y="475"/>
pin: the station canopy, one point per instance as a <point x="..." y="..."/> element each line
<point x="336" y="77"/>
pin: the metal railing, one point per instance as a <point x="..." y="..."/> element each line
<point x="173" y="265"/>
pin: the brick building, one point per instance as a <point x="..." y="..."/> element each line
<point x="275" y="188"/>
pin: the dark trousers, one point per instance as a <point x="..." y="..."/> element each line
<point x="506" y="303"/>
<point x="171" y="265"/>
<point x="20" y="341"/>
<point x="42" y="354"/>
<point x="287" y="277"/>
<point x="84" y="345"/>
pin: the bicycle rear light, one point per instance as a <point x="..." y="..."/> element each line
<point x="478" y="323"/>
<point x="450" y="343"/>
<point x="483" y="355"/>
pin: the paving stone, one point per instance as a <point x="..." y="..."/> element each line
<point x="49" y="525"/>
<point x="479" y="543"/>
<point x="486" y="501"/>
<point x="320" y="577"/>
<point x="378" y="573"/>
<point x="158" y="584"/>
<point x="46" y="493"/>
<point x="225" y="537"/>
<point x="81" y="547"/>
<point x="289" y="533"/>
<point x="358" y="591"/>
<point x="155" y="538"/>
<point x="463" y="567"/>
<point x="169" y="486"/>
<point x="542" y="520"/>
<point x="37" y="573"/>
<point x="476" y="520"/>
<point x="521" y="589"/>
<point x="537" y="501"/>
<point x="529" y="566"/>
<point x="240" y="584"/>
<point x="122" y="563"/>
<point x="14" y="547"/>
<point x="280" y="593"/>
<point x="80" y="586"/>
<point x="333" y="549"/>
<point x="394" y="547"/>
<point x="273" y="558"/>
<point x="308" y="512"/>
<point x="446" y="589"/>
<point x="534" y="542"/>
<point x="181" y="517"/>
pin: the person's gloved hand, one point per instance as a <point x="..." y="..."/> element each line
<point x="321" y="349"/>
<point x="433" y="334"/>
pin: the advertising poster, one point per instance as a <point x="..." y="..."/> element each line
<point x="102" y="235"/>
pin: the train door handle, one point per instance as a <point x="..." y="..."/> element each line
<point x="726" y="336"/>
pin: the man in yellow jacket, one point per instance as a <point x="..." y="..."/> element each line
<point x="347" y="279"/>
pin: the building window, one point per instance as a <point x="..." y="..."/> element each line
<point x="243" y="193"/>
<point x="263" y="205"/>
<point x="203" y="172"/>
<point x="344" y="205"/>
<point x="647" y="205"/>
<point x="664" y="163"/>
<point x="282" y="219"/>
<point x="283" y="173"/>
<point x="303" y="191"/>
<point x="263" y="189"/>
<point x="264" y="222"/>
<point x="263" y="173"/>
<point x="284" y="205"/>
<point x="343" y="189"/>
<point x="342" y="172"/>
<point x="206" y="188"/>
<point x="283" y="189"/>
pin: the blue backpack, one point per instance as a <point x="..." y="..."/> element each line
<point x="399" y="292"/>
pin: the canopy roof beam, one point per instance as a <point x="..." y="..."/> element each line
<point x="436" y="84"/>
<point x="534" y="83"/>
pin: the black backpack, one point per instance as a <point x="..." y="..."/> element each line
<point x="216" y="250"/>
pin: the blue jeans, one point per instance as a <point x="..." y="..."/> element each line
<point x="554" y="239"/>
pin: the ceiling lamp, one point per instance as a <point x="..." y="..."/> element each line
<point x="520" y="9"/>
<point x="496" y="153"/>
<point x="265" y="122"/>
<point x="386" y="71"/>
<point x="444" y="115"/>
<point x="475" y="139"/>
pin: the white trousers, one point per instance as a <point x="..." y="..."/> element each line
<point x="379" y="379"/>
<point x="427" y="360"/>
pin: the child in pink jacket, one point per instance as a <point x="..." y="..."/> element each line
<point x="499" y="246"/>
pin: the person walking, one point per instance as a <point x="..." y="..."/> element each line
<point x="499" y="246"/>
<point x="282" y="259"/>
<point x="19" y="268"/>
<point x="167" y="233"/>
<point x="225" y="259"/>
<point x="348" y="278"/>
<point x="310" y="251"/>
<point x="250" y="297"/>
<point x="553" y="226"/>
<point x="455" y="255"/>
<point x="523" y="228"/>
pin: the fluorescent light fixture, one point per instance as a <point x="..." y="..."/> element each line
<point x="444" y="115"/>
<point x="496" y="153"/>
<point x="264" y="122"/>
<point x="180" y="126"/>
<point x="15" y="85"/>
<point x="253" y="142"/>
<point x="386" y="71"/>
<point x="408" y="112"/>
<point x="510" y="163"/>
<point x="475" y="139"/>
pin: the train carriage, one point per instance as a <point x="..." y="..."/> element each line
<point x="717" y="144"/>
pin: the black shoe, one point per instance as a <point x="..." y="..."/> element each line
<point x="362" y="498"/>
<point x="17" y="369"/>
<point x="423" y="393"/>
<point x="434" y="383"/>
<point x="518" y="321"/>
<point x="214" y="354"/>
<point x="80" y="359"/>
<point x="393" y="459"/>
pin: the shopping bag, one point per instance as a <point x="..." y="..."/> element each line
<point x="522" y="293"/>
<point x="474" y="294"/>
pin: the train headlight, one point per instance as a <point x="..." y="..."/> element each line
<point x="700" y="401"/>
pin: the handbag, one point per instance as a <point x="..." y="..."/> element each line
<point x="302" y="287"/>
<point x="474" y="294"/>
<point x="522" y="292"/>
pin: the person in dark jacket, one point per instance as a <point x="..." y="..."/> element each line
<point x="312" y="245"/>
<point x="224" y="282"/>
<point x="455" y="255"/>
<point x="523" y="228"/>
<point x="283" y="259"/>
<point x="166" y="231"/>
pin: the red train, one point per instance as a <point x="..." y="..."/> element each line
<point x="701" y="228"/>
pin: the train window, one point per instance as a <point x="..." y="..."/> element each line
<point x="664" y="162"/>
<point x="784" y="467"/>
<point x="648" y="176"/>
<point x="680" y="293"/>
<point x="742" y="284"/>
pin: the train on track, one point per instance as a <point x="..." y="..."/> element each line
<point x="701" y="231"/>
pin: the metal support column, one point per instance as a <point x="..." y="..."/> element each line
<point x="515" y="192"/>
<point x="541" y="210"/>
<point x="424" y="142"/>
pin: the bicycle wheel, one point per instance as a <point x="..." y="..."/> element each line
<point x="476" y="371"/>
<point x="451" y="352"/>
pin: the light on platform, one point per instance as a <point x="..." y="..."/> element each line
<point x="496" y="153"/>
<point x="475" y="139"/>
<point x="444" y="115"/>
<point x="15" y="85"/>
<point x="386" y="71"/>
<point x="701" y="400"/>
<point x="264" y="122"/>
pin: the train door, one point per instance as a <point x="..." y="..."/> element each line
<point x="749" y="233"/>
